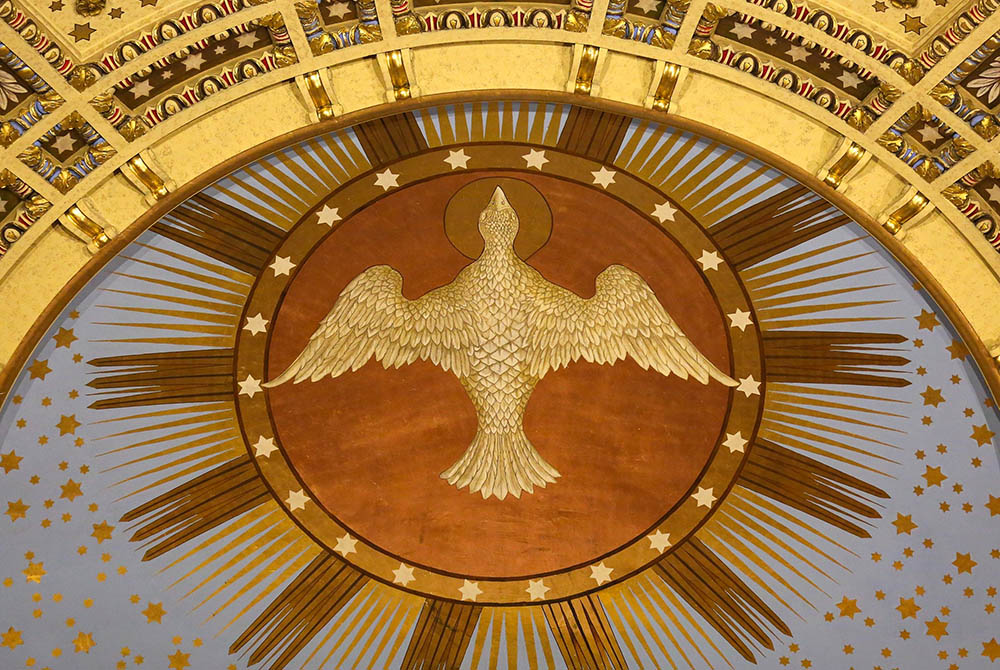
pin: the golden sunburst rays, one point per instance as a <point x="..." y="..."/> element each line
<point x="528" y="123"/>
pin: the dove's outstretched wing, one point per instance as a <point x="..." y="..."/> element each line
<point x="624" y="318"/>
<point x="372" y="318"/>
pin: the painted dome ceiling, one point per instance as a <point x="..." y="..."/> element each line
<point x="364" y="334"/>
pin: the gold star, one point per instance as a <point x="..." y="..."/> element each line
<point x="70" y="490"/>
<point x="83" y="642"/>
<point x="937" y="628"/>
<point x="982" y="435"/>
<point x="154" y="612"/>
<point x="927" y="320"/>
<point x="912" y="24"/>
<point x="934" y="476"/>
<point x="102" y="531"/>
<point x="178" y="661"/>
<point x="39" y="369"/>
<point x="64" y="338"/>
<point x="964" y="563"/>
<point x="17" y="510"/>
<point x="34" y="572"/>
<point x="69" y="424"/>
<point x="993" y="505"/>
<point x="932" y="396"/>
<point x="958" y="349"/>
<point x="10" y="461"/>
<point x="848" y="607"/>
<point x="908" y="608"/>
<point x="12" y="638"/>
<point x="81" y="32"/>
<point x="991" y="649"/>
<point x="904" y="524"/>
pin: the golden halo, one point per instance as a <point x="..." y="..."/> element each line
<point x="461" y="216"/>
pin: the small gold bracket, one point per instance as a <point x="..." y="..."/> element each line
<point x="666" y="76"/>
<point x="909" y="209"/>
<point x="145" y="173"/>
<point x="317" y="88"/>
<point x="845" y="162"/>
<point x="90" y="229"/>
<point x="584" y="67"/>
<point x="397" y="68"/>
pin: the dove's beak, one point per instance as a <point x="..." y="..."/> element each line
<point x="499" y="200"/>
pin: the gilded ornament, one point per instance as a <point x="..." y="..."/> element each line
<point x="103" y="102"/>
<point x="988" y="127"/>
<point x="714" y="13"/>
<point x="102" y="152"/>
<point x="891" y="141"/>
<point x="64" y="180"/>
<point x="132" y="128"/>
<point x="903" y="4"/>
<point x="90" y="7"/>
<point x="32" y="156"/>
<point x="945" y="94"/>
<point x="860" y="119"/>
<point x="911" y="70"/>
<point x="957" y="195"/>
<point x="318" y="96"/>
<point x="82" y="76"/>
<point x="8" y="133"/>
<point x="36" y="205"/>
<point x="585" y="72"/>
<point x="928" y="169"/>
<point x="836" y="173"/>
<point x="147" y="177"/>
<point x="898" y="218"/>
<point x="397" y="75"/>
<point x="576" y="20"/>
<point x="88" y="230"/>
<point x="322" y="44"/>
<point x="74" y="120"/>
<point x="50" y="100"/>
<point x="284" y="55"/>
<point x="703" y="49"/>
<point x="665" y="88"/>
<point x="7" y="178"/>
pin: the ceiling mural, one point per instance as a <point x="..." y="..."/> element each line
<point x="505" y="383"/>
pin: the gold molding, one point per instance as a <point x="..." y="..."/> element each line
<point x="315" y="87"/>
<point x="146" y="176"/>
<point x="586" y="69"/>
<point x="847" y="160"/>
<point x="395" y="64"/>
<point x="664" y="86"/>
<point x="914" y="205"/>
<point x="95" y="235"/>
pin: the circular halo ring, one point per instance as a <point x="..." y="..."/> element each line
<point x="461" y="216"/>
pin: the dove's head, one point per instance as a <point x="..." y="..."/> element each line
<point x="498" y="222"/>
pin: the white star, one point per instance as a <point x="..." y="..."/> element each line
<point x="64" y="144"/>
<point x="647" y="6"/>
<point x="247" y="40"/>
<point x="535" y="159"/>
<point x="993" y="192"/>
<point x="328" y="215"/>
<point x="704" y="497"/>
<point x="250" y="386"/>
<point x="770" y="41"/>
<point x="739" y="319"/>
<point x="798" y="53"/>
<point x="403" y="575"/>
<point x="742" y="31"/>
<point x="221" y="49"/>
<point x="601" y="573"/>
<point x="735" y="442"/>
<point x="282" y="265"/>
<point x="659" y="541"/>
<point x="709" y="260"/>
<point x="849" y="79"/>
<point x="386" y="179"/>
<point x="194" y="61"/>
<point x="296" y="500"/>
<point x="604" y="176"/>
<point x="929" y="135"/>
<point x="537" y="589"/>
<point x="256" y="324"/>
<point x="264" y="447"/>
<point x="470" y="590"/>
<point x="749" y="386"/>
<point x="142" y="88"/>
<point x="457" y="159"/>
<point x="664" y="212"/>
<point x="825" y="65"/>
<point x="346" y="545"/>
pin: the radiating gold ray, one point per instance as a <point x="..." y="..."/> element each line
<point x="698" y="179"/>
<point x="446" y="129"/>
<point x="624" y="157"/>
<point x="292" y="558"/>
<point x="479" y="644"/>
<point x="194" y="341"/>
<point x="223" y="425"/>
<point x="229" y="308"/>
<point x="740" y="511"/>
<point x="300" y="190"/>
<point x="218" y="534"/>
<point x="216" y="268"/>
<point x="639" y="162"/>
<point x="366" y="629"/>
<point x="784" y="324"/>
<point x="528" y="631"/>
<point x="430" y="131"/>
<point x="782" y="408"/>
<point x="741" y="521"/>
<point x="781" y="417"/>
<point x="724" y="211"/>
<point x="552" y="130"/>
<point x="491" y="129"/>
<point x="376" y="629"/>
<point x="780" y="312"/>
<point x="236" y="288"/>
<point x="539" y="623"/>
<point x="784" y="435"/>
<point x="209" y="317"/>
<point x="221" y="296"/>
<point x="766" y="304"/>
<point x="291" y="569"/>
<point x="281" y="216"/>
<point x="368" y="602"/>
<point x="218" y="459"/>
<point x="610" y="602"/>
<point x="477" y="130"/>
<point x="340" y="174"/>
<point x="212" y="441"/>
<point x="671" y="177"/>
<point x="667" y="163"/>
<point x="743" y="494"/>
<point x="462" y="126"/>
<point x="393" y="629"/>
<point x="350" y="154"/>
<point x="712" y="535"/>
<point x="206" y="412"/>
<point x="521" y="129"/>
<point x="511" y="630"/>
<point x="707" y="187"/>
<point x="496" y="631"/>
<point x="179" y="327"/>
<point x="646" y="610"/>
<point x="269" y="529"/>
<point x="755" y="276"/>
<point x="826" y="391"/>
<point x="711" y="210"/>
<point x="658" y="594"/>
<point x="769" y="289"/>
<point x="634" y="612"/>
<point x="402" y="634"/>
<point x="270" y="189"/>
<point x="319" y="174"/>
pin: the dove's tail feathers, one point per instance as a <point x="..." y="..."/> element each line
<point x="496" y="464"/>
